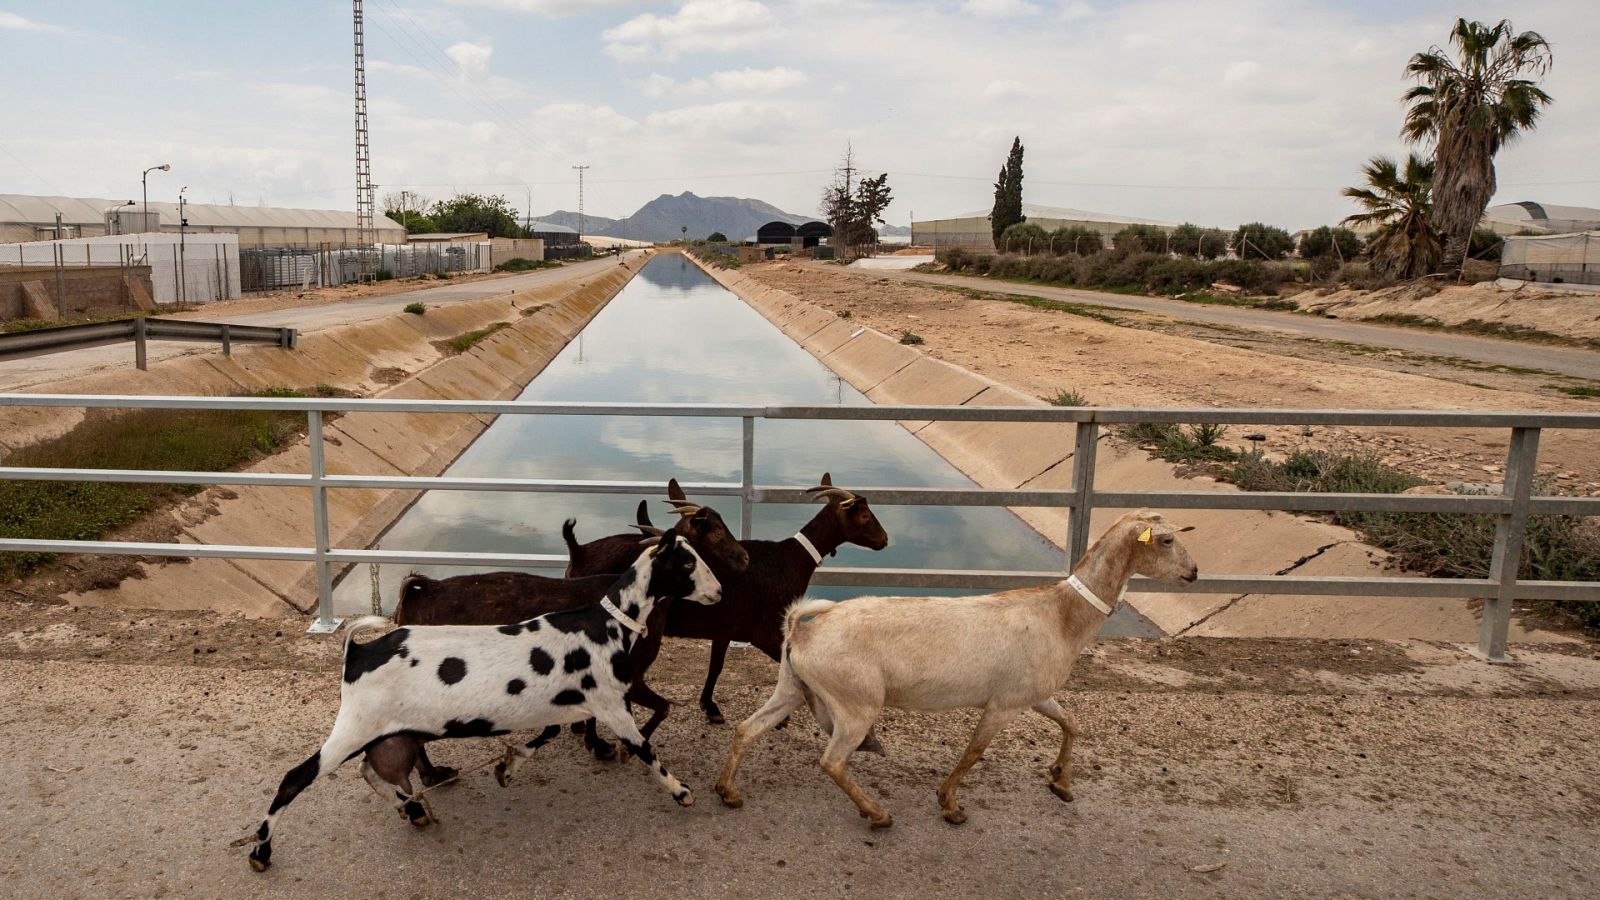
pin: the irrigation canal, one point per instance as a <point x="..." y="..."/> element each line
<point x="673" y="335"/>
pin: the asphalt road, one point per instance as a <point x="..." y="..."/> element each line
<point x="20" y="373"/>
<point x="1490" y="351"/>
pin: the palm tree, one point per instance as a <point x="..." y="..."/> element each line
<point x="1468" y="106"/>
<point x="1405" y="243"/>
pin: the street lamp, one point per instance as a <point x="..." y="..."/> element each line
<point x="144" y="180"/>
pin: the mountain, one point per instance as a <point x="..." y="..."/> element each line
<point x="663" y="218"/>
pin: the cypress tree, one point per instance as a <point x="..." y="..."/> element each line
<point x="1008" y="193"/>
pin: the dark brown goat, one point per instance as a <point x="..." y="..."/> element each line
<point x="754" y="600"/>
<point x="702" y="525"/>
<point x="504" y="598"/>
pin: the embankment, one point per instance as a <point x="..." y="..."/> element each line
<point x="1039" y="456"/>
<point x="398" y="357"/>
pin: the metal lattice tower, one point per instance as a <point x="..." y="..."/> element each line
<point x="580" y="199"/>
<point x="365" y="233"/>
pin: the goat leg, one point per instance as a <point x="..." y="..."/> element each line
<point x="430" y="774"/>
<point x="719" y="655"/>
<point x="1061" y="771"/>
<point x="602" y="749"/>
<point x="994" y="719"/>
<point x="644" y="695"/>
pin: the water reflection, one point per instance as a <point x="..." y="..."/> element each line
<point x="673" y="335"/>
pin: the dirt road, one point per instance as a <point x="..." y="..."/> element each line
<point x="1486" y="351"/>
<point x="24" y="373"/>
<point x="136" y="746"/>
<point x="1129" y="358"/>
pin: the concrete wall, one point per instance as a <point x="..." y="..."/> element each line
<point x="72" y="291"/>
<point x="531" y="249"/>
<point x="1039" y="456"/>
<point x="543" y="320"/>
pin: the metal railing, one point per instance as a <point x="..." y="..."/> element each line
<point x="141" y="329"/>
<point x="1499" y="590"/>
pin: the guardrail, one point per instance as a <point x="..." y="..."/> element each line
<point x="1500" y="590"/>
<point x="21" y="344"/>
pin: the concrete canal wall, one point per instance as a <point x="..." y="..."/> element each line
<point x="363" y="358"/>
<point x="1039" y="456"/>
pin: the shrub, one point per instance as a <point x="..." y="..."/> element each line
<point x="1256" y="240"/>
<point x="1338" y="244"/>
<point x="461" y="343"/>
<point x="844" y="314"/>
<point x="1136" y="238"/>
<point x="1174" y="443"/>
<point x="382" y="275"/>
<point x="982" y="263"/>
<point x="1068" y="398"/>
<point x="910" y="337"/>
<point x="1076" y="239"/>
<point x="1009" y="265"/>
<point x="1024" y="237"/>
<point x="1189" y="239"/>
<point x="416" y="308"/>
<point x="518" y="264"/>
<point x="1485" y="244"/>
<point x="955" y="258"/>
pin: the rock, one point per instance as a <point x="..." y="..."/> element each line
<point x="1430" y="489"/>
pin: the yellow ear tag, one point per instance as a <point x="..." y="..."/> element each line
<point x="1144" y="537"/>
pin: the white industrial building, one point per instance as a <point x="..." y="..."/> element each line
<point x="25" y="217"/>
<point x="1540" y="218"/>
<point x="973" y="230"/>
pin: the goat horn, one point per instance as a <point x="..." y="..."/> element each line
<point x="650" y="541"/>
<point x="650" y="530"/>
<point x="828" y="493"/>
<point x="827" y="479"/>
<point x="674" y="491"/>
<point x="642" y="516"/>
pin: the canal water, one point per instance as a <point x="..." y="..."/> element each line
<point x="673" y="335"/>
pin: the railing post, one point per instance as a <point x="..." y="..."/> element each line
<point x="1522" y="460"/>
<point x="325" y="622"/>
<point x="140" y="361"/>
<point x="227" y="340"/>
<point x="1083" y="490"/>
<point x="747" y="492"/>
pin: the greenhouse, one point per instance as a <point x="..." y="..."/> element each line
<point x="26" y="217"/>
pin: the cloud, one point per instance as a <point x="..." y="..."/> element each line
<point x="15" y="22"/>
<point x="548" y="7"/>
<point x="1076" y="9"/>
<point x="1001" y="91"/>
<point x="715" y="26"/>
<point x="1000" y="9"/>
<point x="472" y="58"/>
<point x="735" y="81"/>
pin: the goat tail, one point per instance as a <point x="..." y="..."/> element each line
<point x="362" y="624"/>
<point x="799" y="609"/>
<point x="570" y="535"/>
<point x="411" y="587"/>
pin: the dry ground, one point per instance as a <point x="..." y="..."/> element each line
<point x="136" y="746"/>
<point x="1141" y="359"/>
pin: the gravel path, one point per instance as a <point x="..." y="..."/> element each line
<point x="136" y="746"/>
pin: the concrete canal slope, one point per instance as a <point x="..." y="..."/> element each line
<point x="365" y="357"/>
<point x="1039" y="456"/>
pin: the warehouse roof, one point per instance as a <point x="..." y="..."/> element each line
<point x="1528" y="211"/>
<point x="539" y="227"/>
<point x="1035" y="211"/>
<point x="37" y="210"/>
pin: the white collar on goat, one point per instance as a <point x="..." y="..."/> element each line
<point x="810" y="548"/>
<point x="1094" y="600"/>
<point x="628" y="622"/>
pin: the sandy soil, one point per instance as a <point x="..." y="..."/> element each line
<point x="1570" y="314"/>
<point x="1139" y="359"/>
<point x="138" y="745"/>
<point x="276" y="300"/>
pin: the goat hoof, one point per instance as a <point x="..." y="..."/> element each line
<point x="1064" y="793"/>
<point x="604" y="752"/>
<point x="422" y="821"/>
<point x="437" y="776"/>
<point x="730" y="795"/>
<point x="884" y="822"/>
<point x="501" y="775"/>
<point x="259" y="863"/>
<point x="684" y="799"/>
<point x="714" y="715"/>
<point x="956" y="816"/>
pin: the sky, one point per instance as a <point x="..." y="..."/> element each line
<point x="1217" y="112"/>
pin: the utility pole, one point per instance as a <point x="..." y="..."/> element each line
<point x="364" y="206"/>
<point x="580" y="200"/>
<point x="527" y="215"/>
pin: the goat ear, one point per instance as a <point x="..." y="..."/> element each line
<point x="827" y="479"/>
<point x="642" y="516"/>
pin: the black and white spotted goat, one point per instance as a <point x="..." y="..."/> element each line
<point x="442" y="681"/>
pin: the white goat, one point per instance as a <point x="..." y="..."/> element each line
<point x="1001" y="653"/>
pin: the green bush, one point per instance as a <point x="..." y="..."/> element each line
<point x="910" y="337"/>
<point x="461" y="343"/>
<point x="1024" y="237"/>
<point x="416" y="308"/>
<point x="519" y="264"/>
<point x="1485" y="244"/>
<point x="1076" y="239"/>
<point x="1137" y="238"/>
<point x="982" y="262"/>
<point x="954" y="258"/>
<point x="1338" y="244"/>
<point x="1068" y="398"/>
<point x="1256" y="240"/>
<point x="1189" y="239"/>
